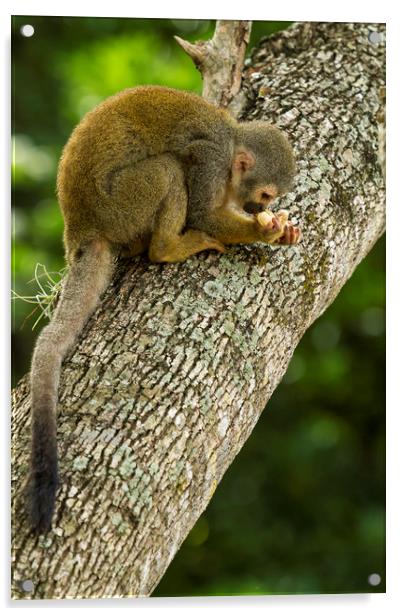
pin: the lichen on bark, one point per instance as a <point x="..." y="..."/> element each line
<point x="173" y="370"/>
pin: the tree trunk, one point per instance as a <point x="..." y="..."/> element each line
<point x="176" y="365"/>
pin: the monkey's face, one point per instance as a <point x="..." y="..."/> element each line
<point x="249" y="199"/>
<point x="259" y="199"/>
<point x="259" y="178"/>
<point x="254" y="198"/>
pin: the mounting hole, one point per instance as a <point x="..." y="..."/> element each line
<point x="27" y="586"/>
<point x="375" y="37"/>
<point x="374" y="579"/>
<point x="27" y="30"/>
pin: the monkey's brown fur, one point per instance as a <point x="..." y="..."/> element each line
<point x="153" y="169"/>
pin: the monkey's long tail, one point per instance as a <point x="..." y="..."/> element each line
<point x="88" y="277"/>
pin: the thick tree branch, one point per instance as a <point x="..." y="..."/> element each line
<point x="220" y="60"/>
<point x="174" y="369"/>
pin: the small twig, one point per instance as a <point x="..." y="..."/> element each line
<point x="220" y="60"/>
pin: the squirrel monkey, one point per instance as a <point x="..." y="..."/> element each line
<point x="154" y="169"/>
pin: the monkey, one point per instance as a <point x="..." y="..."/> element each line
<point x="149" y="169"/>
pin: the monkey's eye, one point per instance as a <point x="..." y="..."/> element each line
<point x="266" y="196"/>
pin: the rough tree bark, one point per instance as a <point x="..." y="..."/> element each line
<point x="220" y="61"/>
<point x="174" y="369"/>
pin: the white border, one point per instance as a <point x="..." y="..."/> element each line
<point x="292" y="10"/>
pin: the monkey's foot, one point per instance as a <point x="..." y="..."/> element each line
<point x="213" y="244"/>
<point x="178" y="248"/>
<point x="291" y="235"/>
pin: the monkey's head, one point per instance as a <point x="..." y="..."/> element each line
<point x="263" y="165"/>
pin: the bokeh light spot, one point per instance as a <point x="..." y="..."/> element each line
<point x="27" y="30"/>
<point x="374" y="579"/>
<point x="27" y="585"/>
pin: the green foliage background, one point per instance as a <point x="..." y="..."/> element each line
<point x="301" y="510"/>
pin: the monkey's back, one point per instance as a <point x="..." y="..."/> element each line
<point x="157" y="113"/>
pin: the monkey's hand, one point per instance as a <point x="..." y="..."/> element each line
<point x="276" y="228"/>
<point x="291" y="235"/>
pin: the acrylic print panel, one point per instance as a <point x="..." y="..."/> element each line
<point x="166" y="381"/>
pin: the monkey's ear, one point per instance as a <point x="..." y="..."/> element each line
<point x="243" y="160"/>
